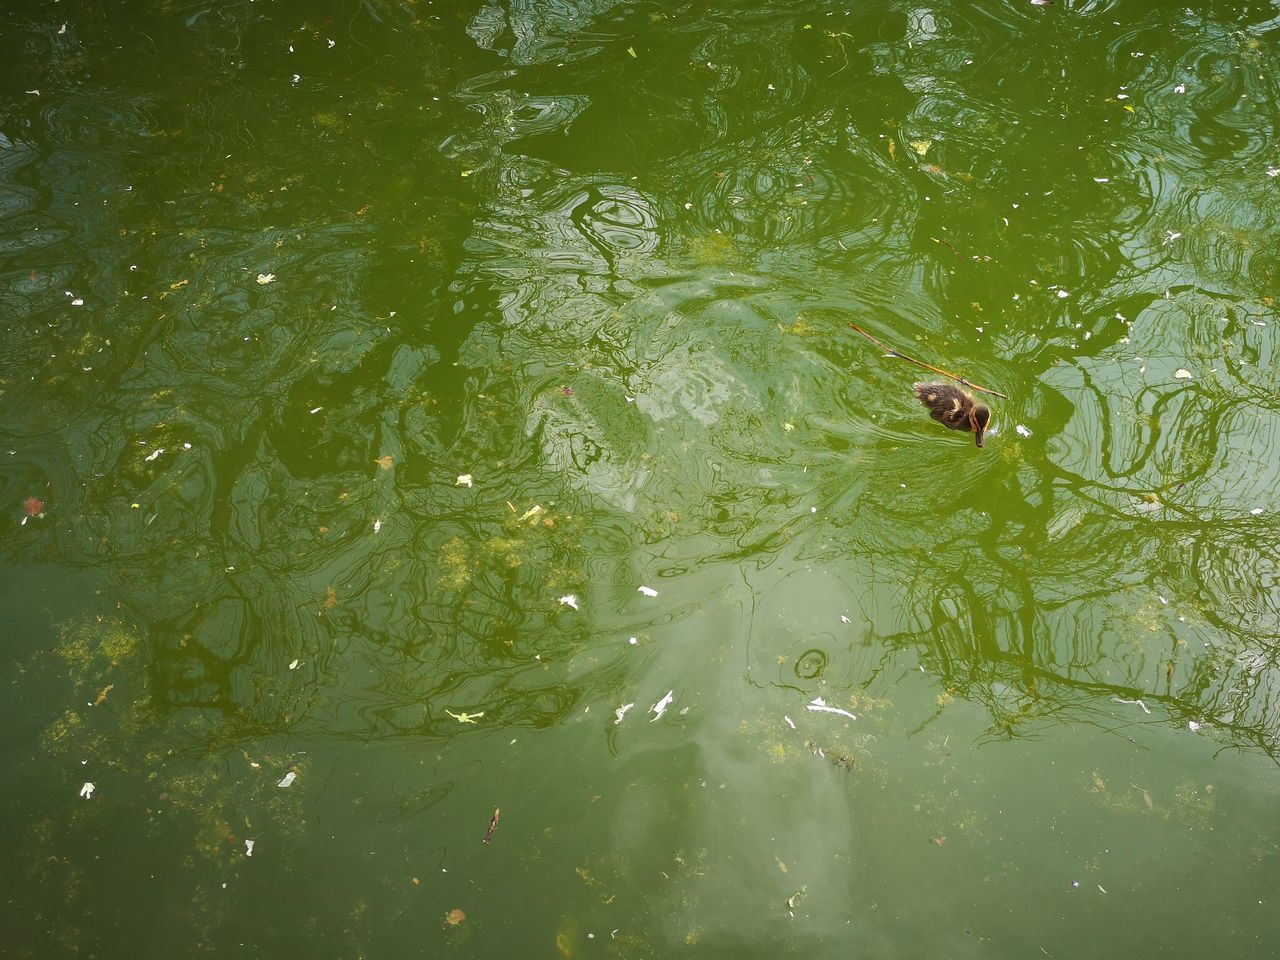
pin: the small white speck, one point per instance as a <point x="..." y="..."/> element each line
<point x="1022" y="431"/>
<point x="647" y="591"/>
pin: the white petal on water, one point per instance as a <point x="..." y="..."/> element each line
<point x="155" y="454"/>
<point x="790" y="723"/>
<point x="87" y="790"/>
<point x="1022" y="431"/>
<point x="570" y="600"/>
<point x="288" y="779"/>
<point x="1182" y="374"/>
<point x="622" y="712"/>
<point x="294" y="664"/>
<point x="377" y="525"/>
<point x="659" y="708"/>
<point x="248" y="847"/>
<point x="464" y="480"/>
<point x="818" y="705"/>
<point x="265" y="278"/>
<point x="648" y="591"/>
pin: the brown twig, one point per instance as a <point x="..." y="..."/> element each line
<point x="928" y="366"/>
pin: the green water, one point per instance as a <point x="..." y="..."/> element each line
<point x="275" y="275"/>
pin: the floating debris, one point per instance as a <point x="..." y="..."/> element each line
<point x="1022" y="431"/>
<point x="289" y="777"/>
<point x="570" y="600"/>
<point x="1134" y="703"/>
<point x="659" y="708"/>
<point x="265" y="278"/>
<point x="818" y="705"/>
<point x="493" y="825"/>
<point x="454" y="917"/>
<point x="464" y="480"/>
<point x="790" y="723"/>
<point x="1182" y="374"/>
<point x="294" y="664"/>
<point x="465" y="717"/>
<point x="87" y="790"/>
<point x="248" y="848"/>
<point x="648" y="591"/>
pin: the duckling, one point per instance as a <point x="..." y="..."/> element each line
<point x="954" y="407"/>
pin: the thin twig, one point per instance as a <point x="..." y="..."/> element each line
<point x="928" y="366"/>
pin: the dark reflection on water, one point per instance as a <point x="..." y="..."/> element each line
<point x="366" y="358"/>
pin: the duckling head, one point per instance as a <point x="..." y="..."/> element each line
<point x="979" y="417"/>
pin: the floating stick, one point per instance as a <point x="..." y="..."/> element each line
<point x="928" y="366"/>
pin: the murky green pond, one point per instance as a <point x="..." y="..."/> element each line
<point x="430" y="423"/>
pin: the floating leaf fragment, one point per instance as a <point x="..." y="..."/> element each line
<point x="659" y="708"/>
<point x="102" y="695"/>
<point x="632" y="51"/>
<point x="33" y="506"/>
<point x="454" y="917"/>
<point x="386" y="462"/>
<point x="921" y="147"/>
<point x="295" y="663"/>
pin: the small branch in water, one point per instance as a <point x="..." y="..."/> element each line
<point x="928" y="366"/>
<point x="948" y="246"/>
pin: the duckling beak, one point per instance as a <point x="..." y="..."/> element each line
<point x="977" y="435"/>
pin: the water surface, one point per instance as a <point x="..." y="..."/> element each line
<point x="276" y="276"/>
